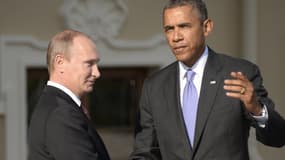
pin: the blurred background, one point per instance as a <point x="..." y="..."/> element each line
<point x="131" y="44"/>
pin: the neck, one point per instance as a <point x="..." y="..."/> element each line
<point x="195" y="58"/>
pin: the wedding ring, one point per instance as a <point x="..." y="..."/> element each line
<point x="242" y="91"/>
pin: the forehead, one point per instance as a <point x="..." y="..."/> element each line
<point x="83" y="46"/>
<point x="180" y="13"/>
<point x="83" y="43"/>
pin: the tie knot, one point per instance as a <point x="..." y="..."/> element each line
<point x="190" y="75"/>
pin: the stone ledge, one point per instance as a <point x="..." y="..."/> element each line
<point x="2" y="109"/>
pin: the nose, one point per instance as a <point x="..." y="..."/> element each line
<point x="177" y="36"/>
<point x="95" y="72"/>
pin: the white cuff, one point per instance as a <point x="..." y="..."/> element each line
<point x="262" y="119"/>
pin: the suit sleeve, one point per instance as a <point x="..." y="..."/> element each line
<point x="146" y="145"/>
<point x="274" y="131"/>
<point x="67" y="136"/>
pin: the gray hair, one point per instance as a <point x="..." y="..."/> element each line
<point x="60" y="44"/>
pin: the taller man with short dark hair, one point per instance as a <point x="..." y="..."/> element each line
<point x="202" y="106"/>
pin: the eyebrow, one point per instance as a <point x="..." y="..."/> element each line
<point x="167" y="27"/>
<point x="179" y="25"/>
<point x="93" y="60"/>
<point x="184" y="24"/>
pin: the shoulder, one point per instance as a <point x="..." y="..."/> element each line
<point x="64" y="115"/>
<point x="164" y="73"/>
<point x="233" y="64"/>
<point x="229" y="60"/>
<point x="54" y="102"/>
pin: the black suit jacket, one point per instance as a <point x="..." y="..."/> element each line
<point x="59" y="130"/>
<point x="222" y="126"/>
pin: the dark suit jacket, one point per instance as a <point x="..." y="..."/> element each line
<point x="222" y="126"/>
<point x="59" y="130"/>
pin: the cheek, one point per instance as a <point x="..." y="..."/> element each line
<point x="88" y="71"/>
<point x="194" y="41"/>
<point x="168" y="39"/>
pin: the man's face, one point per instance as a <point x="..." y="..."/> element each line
<point x="81" y="68"/>
<point x="185" y="33"/>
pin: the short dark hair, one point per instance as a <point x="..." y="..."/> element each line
<point x="197" y="4"/>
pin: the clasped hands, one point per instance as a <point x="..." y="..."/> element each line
<point x="241" y="88"/>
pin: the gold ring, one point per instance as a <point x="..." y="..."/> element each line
<point x="242" y="91"/>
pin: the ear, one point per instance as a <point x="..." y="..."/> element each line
<point x="59" y="62"/>
<point x="208" y="25"/>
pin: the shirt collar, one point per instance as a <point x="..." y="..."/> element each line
<point x="65" y="90"/>
<point x="198" y="67"/>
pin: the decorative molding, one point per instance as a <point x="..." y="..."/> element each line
<point x="103" y="20"/>
<point x="249" y="40"/>
<point x="2" y="112"/>
<point x="17" y="53"/>
<point x="8" y="40"/>
<point x="249" y="52"/>
<point x="98" y="18"/>
<point x="2" y="107"/>
<point x="2" y="103"/>
<point x="154" y="41"/>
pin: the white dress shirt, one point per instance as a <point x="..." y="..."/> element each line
<point x="198" y="68"/>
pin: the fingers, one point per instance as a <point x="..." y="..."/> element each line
<point x="239" y="78"/>
<point x="236" y="87"/>
<point x="241" y="88"/>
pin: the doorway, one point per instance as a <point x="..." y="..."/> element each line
<point x="113" y="103"/>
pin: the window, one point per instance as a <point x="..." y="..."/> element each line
<point x="113" y="103"/>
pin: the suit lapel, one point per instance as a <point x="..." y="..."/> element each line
<point x="99" y="144"/>
<point x="210" y="84"/>
<point x="174" y="108"/>
<point x="103" y="154"/>
<point x="95" y="137"/>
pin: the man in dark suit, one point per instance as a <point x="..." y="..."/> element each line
<point x="59" y="129"/>
<point x="227" y="98"/>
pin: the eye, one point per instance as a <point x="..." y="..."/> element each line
<point x="91" y="62"/>
<point x="168" y="28"/>
<point x="88" y="64"/>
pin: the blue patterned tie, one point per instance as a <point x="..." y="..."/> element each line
<point x="190" y="105"/>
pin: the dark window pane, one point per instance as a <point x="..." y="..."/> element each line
<point x="110" y="102"/>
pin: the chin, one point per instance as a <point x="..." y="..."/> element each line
<point x="178" y="57"/>
<point x="89" y="89"/>
<point x="181" y="58"/>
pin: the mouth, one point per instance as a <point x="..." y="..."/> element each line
<point x="179" y="49"/>
<point x="91" y="82"/>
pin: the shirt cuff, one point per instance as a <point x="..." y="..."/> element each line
<point x="263" y="118"/>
